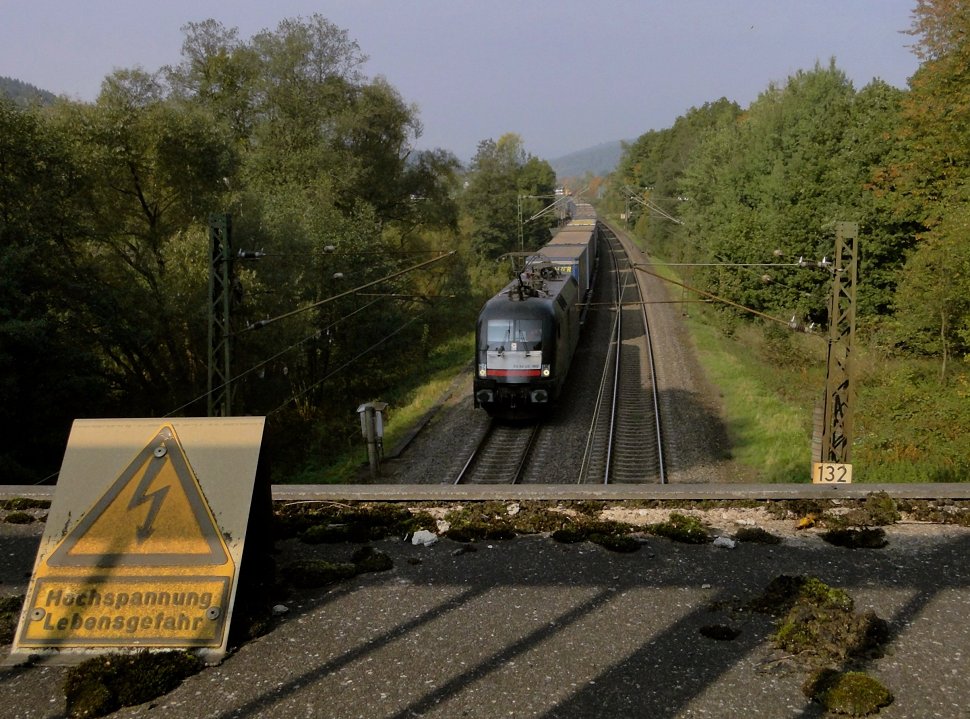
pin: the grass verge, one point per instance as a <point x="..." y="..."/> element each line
<point x="770" y="431"/>
<point x="909" y="422"/>
<point x="407" y="405"/>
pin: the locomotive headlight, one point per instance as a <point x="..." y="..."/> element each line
<point x="481" y="370"/>
<point x="546" y="371"/>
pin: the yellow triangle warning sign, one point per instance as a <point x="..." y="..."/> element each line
<point x="152" y="558"/>
<point x="153" y="515"/>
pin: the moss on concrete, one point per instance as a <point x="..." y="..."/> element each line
<point x="368" y="559"/>
<point x="104" y="684"/>
<point x="323" y="522"/>
<point x="19" y="518"/>
<point x="853" y="694"/>
<point x="20" y="504"/>
<point x="817" y="622"/>
<point x="681" y="528"/>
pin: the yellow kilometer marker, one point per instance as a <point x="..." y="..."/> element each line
<point x="831" y="473"/>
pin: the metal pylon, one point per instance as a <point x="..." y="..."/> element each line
<point x="839" y="399"/>
<point x="220" y="298"/>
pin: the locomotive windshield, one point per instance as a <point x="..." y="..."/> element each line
<point x="525" y="334"/>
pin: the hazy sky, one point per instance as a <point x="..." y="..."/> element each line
<point x="565" y="75"/>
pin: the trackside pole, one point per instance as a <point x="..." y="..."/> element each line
<point x="372" y="428"/>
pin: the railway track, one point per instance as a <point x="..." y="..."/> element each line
<point x="624" y="442"/>
<point x="501" y="456"/>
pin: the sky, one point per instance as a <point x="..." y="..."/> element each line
<point x="564" y="75"/>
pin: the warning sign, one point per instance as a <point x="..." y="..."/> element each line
<point x="153" y="559"/>
<point x="153" y="515"/>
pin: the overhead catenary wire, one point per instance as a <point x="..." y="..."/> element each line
<point x="749" y="267"/>
<point x="712" y="296"/>
<point x="262" y="323"/>
<point x="276" y="356"/>
<point x="347" y="363"/>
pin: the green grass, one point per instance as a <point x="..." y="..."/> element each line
<point x="910" y="425"/>
<point x="771" y="435"/>
<point x="446" y="362"/>
<point x="406" y="406"/>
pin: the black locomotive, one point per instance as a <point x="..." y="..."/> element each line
<point x="527" y="334"/>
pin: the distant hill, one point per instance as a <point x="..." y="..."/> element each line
<point x="599" y="160"/>
<point x="23" y="93"/>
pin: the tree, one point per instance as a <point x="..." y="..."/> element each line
<point x="933" y="298"/>
<point x="505" y="182"/>
<point x="152" y="170"/>
<point x="777" y="180"/>
<point x="928" y="180"/>
<point x="653" y="169"/>
<point x="48" y="373"/>
<point x="219" y="72"/>
<point x="104" y="219"/>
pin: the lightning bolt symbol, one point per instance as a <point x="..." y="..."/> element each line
<point x="142" y="495"/>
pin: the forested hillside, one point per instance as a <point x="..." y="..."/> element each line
<point x="743" y="194"/>
<point x="22" y="93"/>
<point x="105" y="244"/>
<point x="597" y="161"/>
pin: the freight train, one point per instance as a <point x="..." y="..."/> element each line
<point x="527" y="334"/>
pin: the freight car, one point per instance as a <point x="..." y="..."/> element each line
<point x="527" y="334"/>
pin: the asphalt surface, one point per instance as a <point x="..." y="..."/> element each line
<point x="529" y="627"/>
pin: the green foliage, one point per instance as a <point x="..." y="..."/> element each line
<point x="506" y="187"/>
<point x="933" y="299"/>
<point x="910" y="424"/>
<point x="653" y="168"/>
<point x="851" y="693"/>
<point x="766" y="187"/>
<point x="47" y="371"/>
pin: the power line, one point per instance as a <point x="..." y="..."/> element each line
<point x="279" y="354"/>
<point x="712" y="296"/>
<point x="262" y="323"/>
<point x="347" y="363"/>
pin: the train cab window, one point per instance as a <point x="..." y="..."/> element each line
<point x="525" y="334"/>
